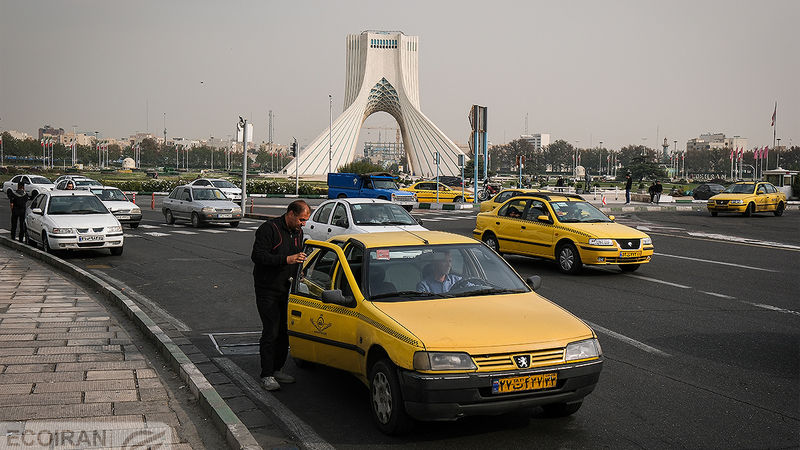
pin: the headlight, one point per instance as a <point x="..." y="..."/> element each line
<point x="736" y="202"/>
<point x="236" y="210"/>
<point x="601" y="242"/>
<point x="136" y="211"/>
<point x="647" y="241"/>
<point x="589" y="348"/>
<point x="62" y="231"/>
<point x="443" y="361"/>
<point x="208" y="209"/>
<point x="114" y="229"/>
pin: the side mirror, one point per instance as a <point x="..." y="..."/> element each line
<point x="612" y="218"/>
<point x="335" y="296"/>
<point x="534" y="281"/>
<point x="37" y="211"/>
<point x="543" y="218"/>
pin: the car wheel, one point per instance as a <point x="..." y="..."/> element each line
<point x="713" y="214"/>
<point x="561" y="409"/>
<point x="169" y="217"/>
<point x="134" y="225"/>
<point x="341" y="196"/>
<point x="491" y="240"/>
<point x="116" y="251"/>
<point x="751" y="208"/>
<point x="629" y="267"/>
<point x="234" y="224"/>
<point x="568" y="259"/>
<point x="195" y="220"/>
<point x="386" y="400"/>
<point x="779" y="210"/>
<point x="458" y="199"/>
<point x="46" y="244"/>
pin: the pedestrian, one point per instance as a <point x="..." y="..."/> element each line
<point x="19" y="200"/>
<point x="658" y="190"/>
<point x="652" y="191"/>
<point x="277" y="251"/>
<point x="628" y="185"/>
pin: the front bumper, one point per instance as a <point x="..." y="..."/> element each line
<point x="726" y="207"/>
<point x="129" y="218"/>
<point x="608" y="255"/>
<point x="451" y="396"/>
<point x="81" y="242"/>
<point x="220" y="217"/>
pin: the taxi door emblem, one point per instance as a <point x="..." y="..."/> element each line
<point x="522" y="361"/>
<point x="320" y="324"/>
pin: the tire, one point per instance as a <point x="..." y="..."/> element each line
<point x="568" y="259"/>
<point x="751" y="208"/>
<point x="629" y="267"/>
<point x="458" y="199"/>
<point x="169" y="217"/>
<point x="46" y="244"/>
<point x="779" y="210"/>
<point x="713" y="214"/>
<point x="386" y="399"/>
<point x="234" y="224"/>
<point x="116" y="251"/>
<point x="561" y="409"/>
<point x="482" y="195"/>
<point x="341" y="196"/>
<point x="491" y="240"/>
<point x="134" y="225"/>
<point x="195" y="220"/>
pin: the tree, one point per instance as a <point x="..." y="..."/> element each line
<point x="558" y="155"/>
<point x="641" y="167"/>
<point x="360" y="166"/>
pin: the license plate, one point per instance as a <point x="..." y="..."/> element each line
<point x="635" y="254"/>
<point x="90" y="238"/>
<point x="526" y="383"/>
<point x="124" y="217"/>
<point x="224" y="216"/>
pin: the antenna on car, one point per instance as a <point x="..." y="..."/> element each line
<point x="425" y="241"/>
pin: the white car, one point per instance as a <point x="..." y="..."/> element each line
<point x="78" y="183"/>
<point x="34" y="184"/>
<point x="230" y="190"/>
<point x="357" y="215"/>
<point x="119" y="205"/>
<point x="72" y="220"/>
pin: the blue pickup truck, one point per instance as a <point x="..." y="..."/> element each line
<point x="369" y="185"/>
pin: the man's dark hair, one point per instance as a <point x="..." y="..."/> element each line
<point x="20" y="185"/>
<point x="298" y="207"/>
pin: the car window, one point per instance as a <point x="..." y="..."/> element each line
<point x="575" y="212"/>
<point x="355" y="258"/>
<point x="535" y="209"/>
<point x="340" y="216"/>
<point x="185" y="196"/>
<point x="26" y="180"/>
<point x="770" y="188"/>
<point x="740" y="188"/>
<point x="223" y="184"/>
<point x="761" y="189"/>
<point x="175" y="193"/>
<point x="62" y="185"/>
<point x="40" y="180"/>
<point x="16" y="179"/>
<point x="323" y="214"/>
<point x="37" y="202"/>
<point x="380" y="214"/>
<point x="201" y="183"/>
<point x="114" y="195"/>
<point x="503" y="196"/>
<point x="317" y="274"/>
<point x="208" y="194"/>
<point x="513" y="209"/>
<point x="426" y="186"/>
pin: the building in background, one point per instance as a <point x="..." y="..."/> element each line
<point x="710" y="141"/>
<point x="538" y="140"/>
<point x="383" y="153"/>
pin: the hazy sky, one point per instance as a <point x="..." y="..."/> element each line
<point x="584" y="71"/>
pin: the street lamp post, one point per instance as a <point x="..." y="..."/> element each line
<point x="436" y="156"/>
<point x="330" y="131"/>
<point x="600" y="172"/>
<point x="777" y="155"/>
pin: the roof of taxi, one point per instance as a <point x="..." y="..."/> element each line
<point x="552" y="196"/>
<point x="405" y="238"/>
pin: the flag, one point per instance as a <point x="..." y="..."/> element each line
<point x="774" y="112"/>
<point x="733" y="151"/>
<point x="604" y="199"/>
<point x="766" y="152"/>
<point x="741" y="153"/>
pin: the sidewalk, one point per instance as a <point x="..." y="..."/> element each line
<point x="67" y="364"/>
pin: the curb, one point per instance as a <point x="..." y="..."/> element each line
<point x="236" y="433"/>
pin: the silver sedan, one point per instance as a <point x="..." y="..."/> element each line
<point x="200" y="206"/>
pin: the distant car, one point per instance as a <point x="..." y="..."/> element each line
<point x="426" y="192"/>
<point x="68" y="177"/>
<point x="118" y="204"/>
<point x="78" y="183"/>
<point x="455" y="182"/>
<point x="200" y="205"/>
<point x="72" y="220"/>
<point x="504" y="195"/>
<point x="230" y="190"/>
<point x="707" y="190"/>
<point x="34" y="184"/>
<point x="748" y="197"/>
<point x="358" y="215"/>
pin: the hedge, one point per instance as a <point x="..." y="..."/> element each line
<point x="253" y="186"/>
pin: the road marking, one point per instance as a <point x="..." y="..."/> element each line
<point x="627" y="340"/>
<point x="212" y="231"/>
<point x="772" y="308"/>
<point x="184" y="232"/>
<point x="715" y="262"/>
<point x="156" y="234"/>
<point x="252" y="228"/>
<point x="653" y="280"/>
<point x="306" y="435"/>
<point x="714" y="294"/>
<point x="128" y="236"/>
<point x="723" y="237"/>
<point x="242" y="229"/>
<point x="148" y="226"/>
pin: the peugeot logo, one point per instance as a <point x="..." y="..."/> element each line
<point x="522" y="361"/>
<point x="630" y="244"/>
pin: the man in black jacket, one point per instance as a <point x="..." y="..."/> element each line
<point x="19" y="200"/>
<point x="628" y="185"/>
<point x="277" y="250"/>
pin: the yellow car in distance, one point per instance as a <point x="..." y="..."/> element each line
<point x="748" y="197"/>
<point x="438" y="327"/>
<point x="504" y="195"/>
<point x="564" y="228"/>
<point x="426" y="192"/>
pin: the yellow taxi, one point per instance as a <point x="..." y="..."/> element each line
<point x="438" y="327"/>
<point x="504" y="195"/>
<point x="748" y="197"/>
<point x="426" y="192"/>
<point x="564" y="228"/>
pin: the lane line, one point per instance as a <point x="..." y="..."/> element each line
<point x="184" y="232"/>
<point x="772" y="308"/>
<point x="728" y="297"/>
<point x="156" y="234"/>
<point x="653" y="280"/>
<point x="723" y="237"/>
<point x="212" y="231"/>
<point x="627" y="340"/>
<point x="716" y="262"/>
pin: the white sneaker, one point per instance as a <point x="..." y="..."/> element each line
<point x="270" y="384"/>
<point x="283" y="377"/>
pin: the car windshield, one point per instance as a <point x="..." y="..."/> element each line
<point x="39" y="180"/>
<point x="75" y="204"/>
<point x="112" y="195"/>
<point x="380" y="214"/>
<point x="208" y="194"/>
<point x="384" y="184"/>
<point x="741" y="188"/>
<point x="400" y="274"/>
<point x="574" y="212"/>
<point x="87" y="182"/>
<point x="223" y="184"/>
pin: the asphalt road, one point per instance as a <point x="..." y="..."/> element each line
<point x="702" y="345"/>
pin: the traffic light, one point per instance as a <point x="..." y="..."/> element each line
<point x="294" y="149"/>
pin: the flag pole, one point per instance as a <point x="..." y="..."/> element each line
<point x="774" y="132"/>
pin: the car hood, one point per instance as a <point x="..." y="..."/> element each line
<point x="116" y="205"/>
<point x="83" y="220"/>
<point x="224" y="204"/>
<point x="495" y="323"/>
<point x="728" y="196"/>
<point x="381" y="228"/>
<point x="610" y="230"/>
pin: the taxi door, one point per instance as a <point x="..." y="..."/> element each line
<point x="322" y="312"/>
<point x="762" y="198"/>
<point x="509" y="226"/>
<point x="426" y="192"/>
<point x="536" y="234"/>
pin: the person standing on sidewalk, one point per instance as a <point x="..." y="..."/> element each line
<point x="277" y="250"/>
<point x="19" y="200"/>
<point x="658" y="190"/>
<point x="628" y="185"/>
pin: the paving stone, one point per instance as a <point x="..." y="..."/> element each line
<point x="39" y="377"/>
<point x="100" y="365"/>
<point x="25" y="368"/>
<point x="104" y="357"/>
<point x="217" y="378"/>
<point x="40" y="399"/>
<point x="125" y="374"/>
<point x="146" y="383"/>
<point x="103" y="341"/>
<point x="240" y="404"/>
<point x="148" y="394"/>
<point x="254" y="418"/>
<point x="118" y="395"/>
<point x="145" y="373"/>
<point x="228" y="390"/>
<point x="169" y="418"/>
<point x="55" y="411"/>
<point x="37" y="359"/>
<point x="22" y="388"/>
<point x="56" y="343"/>
<point x="17" y="351"/>
<point x="79" y="349"/>
<point x="70" y="386"/>
<point x="143" y="407"/>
